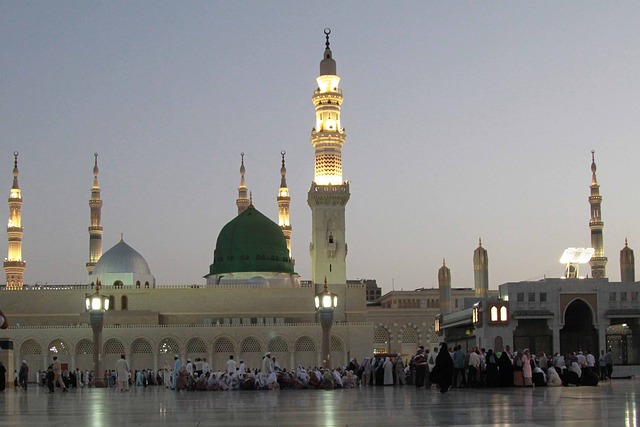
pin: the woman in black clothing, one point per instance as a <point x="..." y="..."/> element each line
<point x="505" y="370"/>
<point x="442" y="373"/>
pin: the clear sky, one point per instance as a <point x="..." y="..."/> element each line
<point x="463" y="119"/>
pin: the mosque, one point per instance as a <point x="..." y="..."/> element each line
<point x="252" y="261"/>
<point x="252" y="257"/>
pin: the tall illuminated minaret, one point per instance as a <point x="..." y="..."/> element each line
<point x="243" y="201"/>
<point x="328" y="194"/>
<point x="284" y="200"/>
<point x="627" y="264"/>
<point x="598" y="262"/>
<point x="481" y="270"/>
<point x="14" y="266"/>
<point x="444" y="285"/>
<point x="95" y="226"/>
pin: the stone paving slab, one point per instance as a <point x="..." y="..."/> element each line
<point x="610" y="404"/>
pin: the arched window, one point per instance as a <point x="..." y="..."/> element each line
<point x="124" y="302"/>
<point x="146" y="285"/>
<point x="494" y="314"/>
<point x="137" y="284"/>
<point x="118" y="284"/>
<point x="112" y="302"/>
<point x="503" y="314"/>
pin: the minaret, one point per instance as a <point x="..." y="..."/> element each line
<point x="627" y="264"/>
<point x="14" y="266"/>
<point x="95" y="226"/>
<point x="242" y="202"/>
<point x="444" y="284"/>
<point x="481" y="271"/>
<point x="283" y="205"/>
<point x="598" y="262"/>
<point x="328" y="194"/>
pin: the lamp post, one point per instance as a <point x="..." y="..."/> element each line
<point x="96" y="305"/>
<point x="326" y="302"/>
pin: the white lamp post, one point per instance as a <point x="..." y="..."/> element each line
<point x="96" y="305"/>
<point x="326" y="302"/>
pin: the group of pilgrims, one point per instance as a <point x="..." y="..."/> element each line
<point x="442" y="369"/>
<point x="197" y="375"/>
<point x="476" y="368"/>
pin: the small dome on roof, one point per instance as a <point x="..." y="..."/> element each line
<point x="121" y="258"/>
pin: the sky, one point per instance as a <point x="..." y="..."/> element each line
<point x="464" y="120"/>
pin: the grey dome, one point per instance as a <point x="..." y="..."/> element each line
<point x="121" y="258"/>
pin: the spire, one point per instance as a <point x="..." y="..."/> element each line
<point x="594" y="180"/>
<point x="627" y="264"/>
<point x="95" y="221"/>
<point x="242" y="202"/>
<point x="598" y="262"/>
<point x="328" y="64"/>
<point x="444" y="286"/>
<point x="95" y="171"/>
<point x="15" y="171"/>
<point x="481" y="270"/>
<point x="283" y="172"/>
<point x="14" y="266"/>
<point x="284" y="202"/>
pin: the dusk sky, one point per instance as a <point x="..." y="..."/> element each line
<point x="463" y="120"/>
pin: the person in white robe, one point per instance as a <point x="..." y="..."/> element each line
<point x="176" y="367"/>
<point x="553" y="378"/>
<point x="388" y="371"/>
<point x="122" y="369"/>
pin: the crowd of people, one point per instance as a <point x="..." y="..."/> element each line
<point x="483" y="368"/>
<point x="443" y="368"/>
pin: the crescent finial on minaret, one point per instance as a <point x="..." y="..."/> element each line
<point x="594" y="180"/>
<point x="15" y="170"/>
<point x="283" y="171"/>
<point x="327" y="31"/>
<point x="95" y="165"/>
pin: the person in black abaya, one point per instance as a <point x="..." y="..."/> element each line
<point x="3" y="377"/>
<point x="505" y="370"/>
<point x="442" y="373"/>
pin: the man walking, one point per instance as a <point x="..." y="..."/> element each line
<point x="23" y="375"/>
<point x="57" y="374"/>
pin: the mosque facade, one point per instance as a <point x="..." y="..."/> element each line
<point x="558" y="315"/>
<point x="253" y="261"/>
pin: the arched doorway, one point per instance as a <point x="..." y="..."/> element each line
<point x="578" y="332"/>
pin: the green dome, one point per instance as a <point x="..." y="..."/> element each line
<point x="251" y="242"/>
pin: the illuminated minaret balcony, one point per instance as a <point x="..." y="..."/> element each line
<point x="328" y="135"/>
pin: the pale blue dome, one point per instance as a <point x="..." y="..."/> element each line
<point x="121" y="258"/>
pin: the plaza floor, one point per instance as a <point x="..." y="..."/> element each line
<point x="610" y="404"/>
